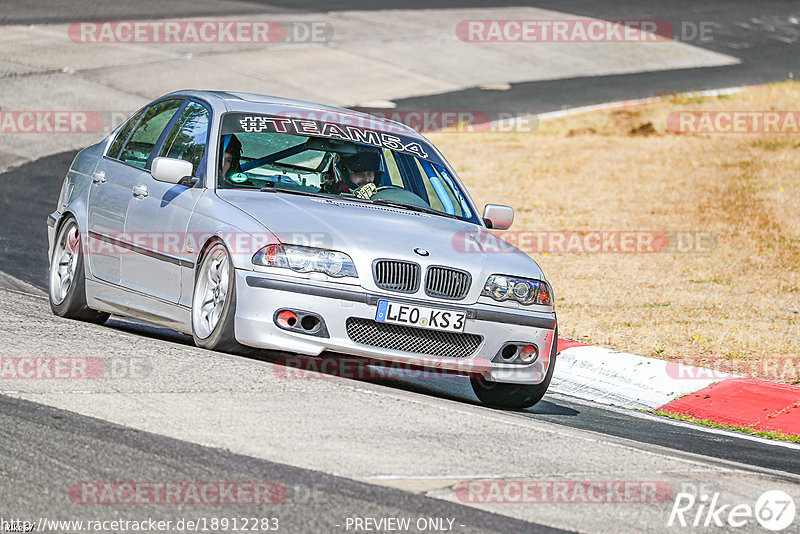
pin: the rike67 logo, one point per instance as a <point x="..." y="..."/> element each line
<point x="774" y="510"/>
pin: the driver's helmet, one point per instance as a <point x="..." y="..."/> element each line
<point x="362" y="162"/>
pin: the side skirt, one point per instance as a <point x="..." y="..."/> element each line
<point x="117" y="300"/>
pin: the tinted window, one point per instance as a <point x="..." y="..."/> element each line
<point x="187" y="140"/>
<point x="137" y="149"/>
<point x="122" y="136"/>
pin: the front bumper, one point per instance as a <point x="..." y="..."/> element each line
<point x="259" y="297"/>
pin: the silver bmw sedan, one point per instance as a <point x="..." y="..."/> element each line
<point x="253" y="221"/>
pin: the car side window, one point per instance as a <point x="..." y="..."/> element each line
<point x="156" y="117"/>
<point x="391" y="168"/>
<point x="122" y="136"/>
<point x="189" y="136"/>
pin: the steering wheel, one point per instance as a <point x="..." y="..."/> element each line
<point x="399" y="194"/>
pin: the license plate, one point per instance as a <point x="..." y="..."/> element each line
<point x="420" y="316"/>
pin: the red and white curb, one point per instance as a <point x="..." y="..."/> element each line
<point x="616" y="378"/>
<point x="611" y="377"/>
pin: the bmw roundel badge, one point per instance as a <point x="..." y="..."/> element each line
<point x="421" y="251"/>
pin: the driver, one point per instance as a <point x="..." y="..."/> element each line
<point x="229" y="166"/>
<point x="359" y="174"/>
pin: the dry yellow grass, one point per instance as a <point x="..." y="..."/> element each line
<point x="736" y="307"/>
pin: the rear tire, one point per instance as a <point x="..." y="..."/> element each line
<point x="67" y="277"/>
<point x="514" y="396"/>
<point x="214" y="301"/>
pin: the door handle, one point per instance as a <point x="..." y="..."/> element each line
<point x="99" y="177"/>
<point x="140" y="191"/>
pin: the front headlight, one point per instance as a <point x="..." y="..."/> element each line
<point x="306" y="260"/>
<point x="501" y="287"/>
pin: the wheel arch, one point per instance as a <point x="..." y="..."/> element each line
<point x="209" y="241"/>
<point x="67" y="214"/>
<point x="64" y="216"/>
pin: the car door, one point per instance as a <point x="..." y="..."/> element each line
<point x="113" y="183"/>
<point x="158" y="214"/>
<point x="109" y="195"/>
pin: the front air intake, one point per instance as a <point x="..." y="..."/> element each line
<point x="397" y="275"/>
<point x="447" y="283"/>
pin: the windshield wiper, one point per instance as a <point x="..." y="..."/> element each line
<point x="412" y="207"/>
<point x="272" y="189"/>
<point x="379" y="201"/>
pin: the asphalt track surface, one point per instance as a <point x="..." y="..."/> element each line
<point x="764" y="36"/>
<point x="71" y="447"/>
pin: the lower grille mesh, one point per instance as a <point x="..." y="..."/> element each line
<point x="411" y="339"/>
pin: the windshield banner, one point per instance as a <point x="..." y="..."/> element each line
<point x="344" y="127"/>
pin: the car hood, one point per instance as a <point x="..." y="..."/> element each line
<point x="367" y="232"/>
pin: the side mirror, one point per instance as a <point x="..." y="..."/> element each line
<point x="498" y="217"/>
<point x="171" y="170"/>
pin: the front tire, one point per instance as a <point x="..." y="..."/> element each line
<point x="67" y="277"/>
<point x="514" y="396"/>
<point x="214" y="301"/>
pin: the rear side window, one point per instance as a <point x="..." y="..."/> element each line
<point x="138" y="148"/>
<point x="188" y="138"/>
<point x="122" y="136"/>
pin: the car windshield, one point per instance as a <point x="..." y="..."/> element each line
<point x="304" y="156"/>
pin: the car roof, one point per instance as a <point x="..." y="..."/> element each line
<point x="237" y="101"/>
